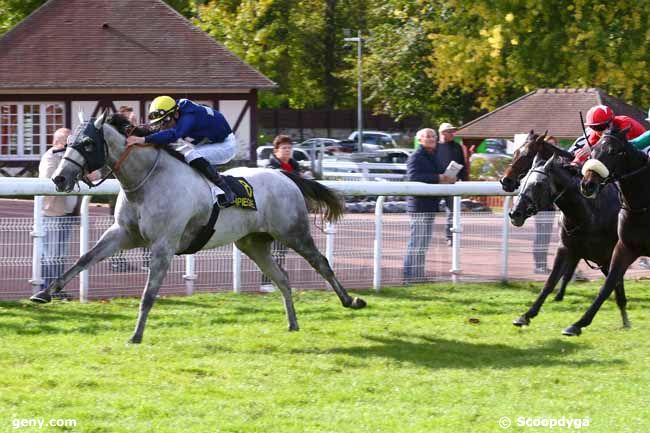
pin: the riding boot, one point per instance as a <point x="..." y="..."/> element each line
<point x="203" y="166"/>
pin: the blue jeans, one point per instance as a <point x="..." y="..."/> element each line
<point x="55" y="247"/>
<point x="421" y="230"/>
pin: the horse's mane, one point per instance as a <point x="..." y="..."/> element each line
<point x="126" y="128"/>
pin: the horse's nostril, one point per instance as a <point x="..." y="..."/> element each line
<point x="58" y="180"/>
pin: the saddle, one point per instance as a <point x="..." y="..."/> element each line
<point x="244" y="199"/>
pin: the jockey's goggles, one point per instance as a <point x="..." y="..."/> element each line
<point x="158" y="115"/>
<point x="599" y="127"/>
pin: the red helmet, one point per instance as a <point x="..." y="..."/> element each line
<point x="599" y="115"/>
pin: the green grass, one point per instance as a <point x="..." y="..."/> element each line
<point x="410" y="362"/>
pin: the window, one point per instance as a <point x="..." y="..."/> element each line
<point x="27" y="128"/>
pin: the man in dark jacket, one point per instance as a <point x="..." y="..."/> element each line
<point x="448" y="150"/>
<point x="422" y="166"/>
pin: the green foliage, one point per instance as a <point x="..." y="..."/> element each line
<point x="13" y="11"/>
<point x="443" y="60"/>
<point x="411" y="362"/>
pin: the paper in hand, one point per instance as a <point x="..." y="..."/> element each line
<point x="453" y="169"/>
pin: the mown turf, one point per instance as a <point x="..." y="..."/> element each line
<point x="412" y="361"/>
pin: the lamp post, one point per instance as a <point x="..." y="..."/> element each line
<point x="359" y="42"/>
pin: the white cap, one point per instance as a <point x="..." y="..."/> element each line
<point x="446" y="127"/>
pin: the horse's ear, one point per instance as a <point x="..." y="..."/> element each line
<point x="550" y="163"/>
<point x="99" y="122"/>
<point x="625" y="130"/>
<point x="545" y="134"/>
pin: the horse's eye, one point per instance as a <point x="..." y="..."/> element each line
<point x="88" y="144"/>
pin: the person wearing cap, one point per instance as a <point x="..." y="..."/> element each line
<point x="600" y="118"/>
<point x="449" y="150"/>
<point x="201" y="134"/>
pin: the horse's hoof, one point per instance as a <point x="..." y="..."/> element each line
<point x="521" y="321"/>
<point x="572" y="331"/>
<point x="357" y="304"/>
<point x="294" y="328"/>
<point x="559" y="298"/>
<point x="42" y="297"/>
<point x="135" y="340"/>
<point x="627" y="325"/>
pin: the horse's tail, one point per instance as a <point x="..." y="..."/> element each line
<point x="319" y="197"/>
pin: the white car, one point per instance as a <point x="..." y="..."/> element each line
<point x="264" y="153"/>
<point x="374" y="140"/>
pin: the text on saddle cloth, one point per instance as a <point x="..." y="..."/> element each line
<point x="244" y="194"/>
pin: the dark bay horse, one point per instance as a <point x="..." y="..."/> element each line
<point x="522" y="161"/>
<point x="616" y="160"/>
<point x="588" y="227"/>
<point x="164" y="203"/>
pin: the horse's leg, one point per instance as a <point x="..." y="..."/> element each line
<point x="621" y="300"/>
<point x="622" y="258"/>
<point x="304" y="245"/>
<point x="567" y="274"/>
<point x="563" y="260"/>
<point x="161" y="257"/>
<point x="113" y="240"/>
<point x="257" y="246"/>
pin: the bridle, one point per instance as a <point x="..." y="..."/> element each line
<point x="625" y="154"/>
<point x="96" y="135"/>
<point x="531" y="208"/>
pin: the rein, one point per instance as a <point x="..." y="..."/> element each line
<point x="116" y="167"/>
<point x="614" y="179"/>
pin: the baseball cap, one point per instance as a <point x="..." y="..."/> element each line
<point x="447" y="127"/>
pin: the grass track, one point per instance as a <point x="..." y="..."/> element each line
<point x="410" y="362"/>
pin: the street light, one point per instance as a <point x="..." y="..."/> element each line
<point x="359" y="42"/>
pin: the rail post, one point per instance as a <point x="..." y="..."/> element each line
<point x="456" y="231"/>
<point x="84" y="242"/>
<point x="505" y="238"/>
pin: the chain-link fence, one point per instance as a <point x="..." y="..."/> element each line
<point x="413" y="249"/>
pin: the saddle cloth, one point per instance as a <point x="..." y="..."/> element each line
<point x="244" y="198"/>
<point x="244" y="194"/>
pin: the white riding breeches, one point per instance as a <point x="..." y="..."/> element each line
<point x="214" y="153"/>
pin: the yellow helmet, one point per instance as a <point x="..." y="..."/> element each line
<point x="161" y="107"/>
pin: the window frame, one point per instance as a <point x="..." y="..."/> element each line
<point x="42" y="129"/>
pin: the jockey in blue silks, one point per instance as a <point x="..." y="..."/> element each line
<point x="201" y="134"/>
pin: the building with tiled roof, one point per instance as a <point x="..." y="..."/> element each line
<point x="72" y="57"/>
<point x="555" y="110"/>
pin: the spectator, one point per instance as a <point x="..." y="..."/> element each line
<point x="58" y="212"/>
<point x="448" y="150"/>
<point x="128" y="113"/>
<point x="544" y="220"/>
<point x="422" y="166"/>
<point x="281" y="159"/>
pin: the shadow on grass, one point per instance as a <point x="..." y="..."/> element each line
<point x="24" y="318"/>
<point x="436" y="353"/>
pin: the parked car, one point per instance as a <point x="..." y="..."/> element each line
<point x="376" y="139"/>
<point x="493" y="146"/>
<point x="264" y="153"/>
<point x="331" y="145"/>
<point x="488" y="166"/>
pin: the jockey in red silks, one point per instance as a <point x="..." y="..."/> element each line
<point x="599" y="118"/>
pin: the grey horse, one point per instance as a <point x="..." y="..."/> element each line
<point x="164" y="203"/>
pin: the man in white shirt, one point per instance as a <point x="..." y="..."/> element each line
<point x="59" y="213"/>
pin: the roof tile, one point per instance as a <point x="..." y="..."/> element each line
<point x="100" y="44"/>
